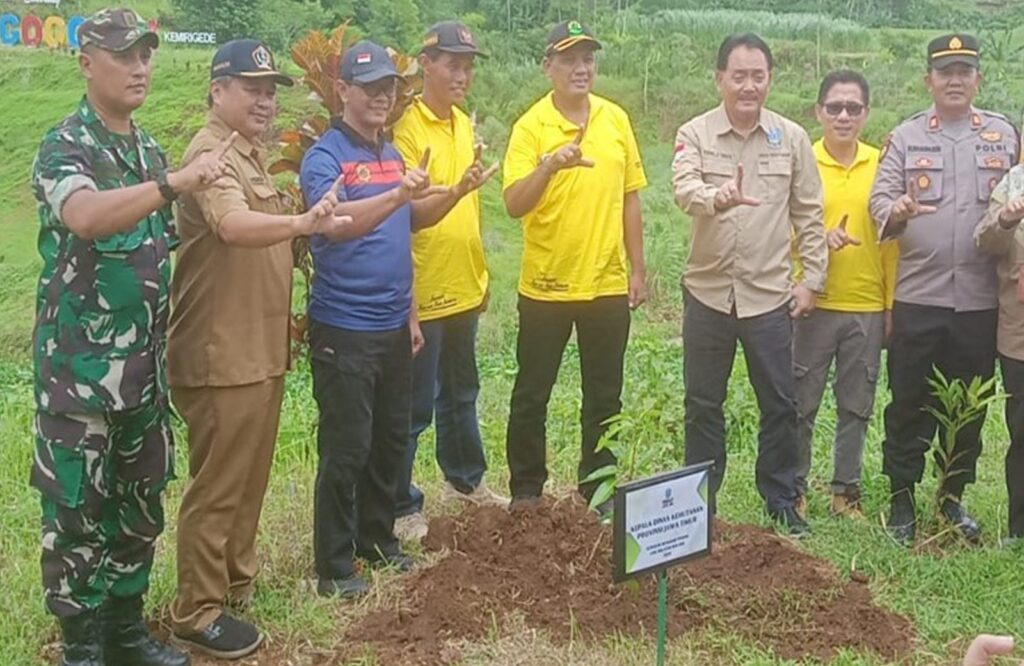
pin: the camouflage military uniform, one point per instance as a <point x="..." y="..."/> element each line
<point x="104" y="447"/>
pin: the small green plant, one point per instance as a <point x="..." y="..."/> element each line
<point x="960" y="404"/>
<point x="624" y="438"/>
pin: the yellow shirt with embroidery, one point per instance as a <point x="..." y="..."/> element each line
<point x="861" y="278"/>
<point x="449" y="270"/>
<point x="573" y="248"/>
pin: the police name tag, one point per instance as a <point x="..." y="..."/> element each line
<point x="662" y="521"/>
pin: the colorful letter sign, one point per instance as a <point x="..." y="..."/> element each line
<point x="52" y="32"/>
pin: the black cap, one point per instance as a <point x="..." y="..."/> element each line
<point x="451" y="37"/>
<point x="247" y="58"/>
<point x="952" y="49"/>
<point x="568" y="34"/>
<point x="366" y="62"/>
<point x="115" y="30"/>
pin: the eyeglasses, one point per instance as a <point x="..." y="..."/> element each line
<point x="853" y="109"/>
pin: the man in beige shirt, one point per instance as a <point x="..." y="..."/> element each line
<point x="228" y="347"/>
<point x="748" y="179"/>
<point x="999" y="234"/>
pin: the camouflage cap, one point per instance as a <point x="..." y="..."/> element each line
<point x="115" y="30"/>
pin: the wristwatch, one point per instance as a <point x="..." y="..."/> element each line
<point x="166" y="191"/>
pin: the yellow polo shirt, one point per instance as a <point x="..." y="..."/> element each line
<point x="573" y="248"/>
<point x="449" y="270"/>
<point x="861" y="278"/>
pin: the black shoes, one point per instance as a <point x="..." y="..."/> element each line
<point x="902" y="525"/>
<point x="126" y="638"/>
<point x="225" y="638"/>
<point x="523" y="502"/>
<point x="82" y="646"/>
<point x="954" y="512"/>
<point x="350" y="587"/>
<point x="791" y="522"/>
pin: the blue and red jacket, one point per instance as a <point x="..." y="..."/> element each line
<point x="363" y="284"/>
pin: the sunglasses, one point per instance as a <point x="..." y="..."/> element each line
<point x="387" y="87"/>
<point x="853" y="109"/>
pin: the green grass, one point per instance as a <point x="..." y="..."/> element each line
<point x="950" y="595"/>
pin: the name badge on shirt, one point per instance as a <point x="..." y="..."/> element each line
<point x="775" y="137"/>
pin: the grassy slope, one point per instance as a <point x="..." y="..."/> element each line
<point x="957" y="594"/>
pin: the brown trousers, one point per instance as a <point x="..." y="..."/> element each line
<point x="231" y="436"/>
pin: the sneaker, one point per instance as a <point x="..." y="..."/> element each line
<point x="847" y="505"/>
<point x="225" y="638"/>
<point x="902" y="523"/>
<point x="791" y="522"/>
<point x="412" y="527"/>
<point x="800" y="506"/>
<point x="350" y="587"/>
<point x="481" y="495"/>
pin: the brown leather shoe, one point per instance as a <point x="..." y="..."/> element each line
<point x="847" y="505"/>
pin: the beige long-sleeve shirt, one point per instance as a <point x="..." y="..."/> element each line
<point x="1008" y="245"/>
<point x="740" y="258"/>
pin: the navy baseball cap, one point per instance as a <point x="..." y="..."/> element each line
<point x="246" y="58"/>
<point x="451" y="37"/>
<point x="366" y="62"/>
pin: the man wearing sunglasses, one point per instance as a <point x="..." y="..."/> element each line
<point x="359" y="311"/>
<point x="848" y="324"/>
<point x="935" y="178"/>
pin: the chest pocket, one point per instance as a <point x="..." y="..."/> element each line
<point x="924" y="175"/>
<point x="775" y="175"/>
<point x="265" y="197"/>
<point x="718" y="171"/>
<point x="991" y="169"/>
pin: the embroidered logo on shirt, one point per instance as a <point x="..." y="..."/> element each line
<point x="923" y="162"/>
<point x="923" y="182"/>
<point x="993" y="162"/>
<point x="991" y="137"/>
<point x="775" y="137"/>
<point x="363" y="173"/>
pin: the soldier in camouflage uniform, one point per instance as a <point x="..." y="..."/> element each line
<point x="104" y="446"/>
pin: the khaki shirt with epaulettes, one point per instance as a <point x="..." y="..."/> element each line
<point x="231" y="305"/>
<point x="940" y="264"/>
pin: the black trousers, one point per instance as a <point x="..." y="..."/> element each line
<point x="962" y="345"/>
<point x="602" y="328"/>
<point x="709" y="348"/>
<point x="362" y="383"/>
<point x="1013" y="382"/>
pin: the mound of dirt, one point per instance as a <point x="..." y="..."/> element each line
<point x="551" y="565"/>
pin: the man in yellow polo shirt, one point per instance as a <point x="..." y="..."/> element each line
<point x="852" y="315"/>
<point x="450" y="277"/>
<point x="572" y="174"/>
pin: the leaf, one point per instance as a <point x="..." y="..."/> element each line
<point x="293" y="152"/>
<point x="603" y="493"/>
<point x="290" y="136"/>
<point x="283" y="166"/>
<point x="600" y="473"/>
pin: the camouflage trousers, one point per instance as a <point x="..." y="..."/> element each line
<point x="101" y="476"/>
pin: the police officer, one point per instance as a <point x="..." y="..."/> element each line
<point x="934" y="181"/>
<point x="104" y="447"/>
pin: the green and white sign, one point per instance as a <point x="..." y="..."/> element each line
<point x="662" y="521"/>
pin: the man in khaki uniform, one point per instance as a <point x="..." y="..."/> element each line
<point x="229" y="348"/>
<point x="999" y="233"/>
<point x="737" y="280"/>
<point x="932" y="188"/>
